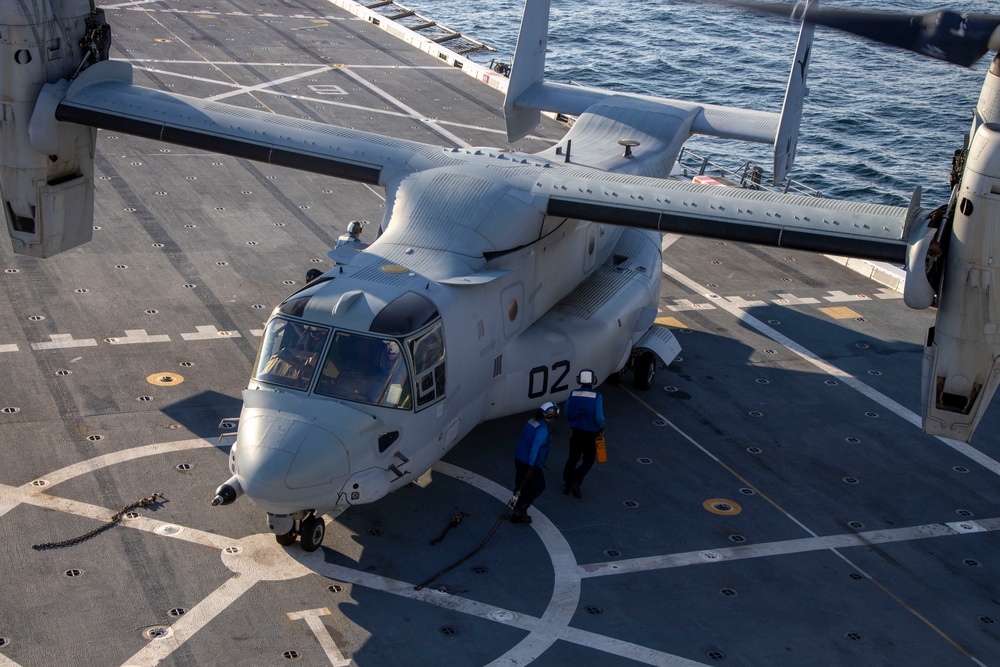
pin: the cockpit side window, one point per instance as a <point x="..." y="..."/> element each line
<point x="428" y="365"/>
<point x="290" y="352"/>
<point x="366" y="370"/>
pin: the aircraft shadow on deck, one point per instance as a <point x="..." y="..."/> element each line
<point x="201" y="414"/>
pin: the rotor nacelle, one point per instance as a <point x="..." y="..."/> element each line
<point x="962" y="355"/>
<point x="46" y="167"/>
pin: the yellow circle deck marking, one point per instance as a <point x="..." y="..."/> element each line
<point x="165" y="379"/>
<point x="722" y="506"/>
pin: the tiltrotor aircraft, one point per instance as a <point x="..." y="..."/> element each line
<point x="499" y="275"/>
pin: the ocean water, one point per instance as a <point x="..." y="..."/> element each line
<point x="878" y="121"/>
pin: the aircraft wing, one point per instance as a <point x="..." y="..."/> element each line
<point x="104" y="96"/>
<point x="796" y="222"/>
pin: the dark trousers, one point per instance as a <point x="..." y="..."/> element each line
<point x="531" y="486"/>
<point x="582" y="445"/>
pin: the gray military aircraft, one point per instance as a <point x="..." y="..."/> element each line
<point x="499" y="275"/>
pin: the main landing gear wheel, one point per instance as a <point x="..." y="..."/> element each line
<point x="313" y="531"/>
<point x="645" y="370"/>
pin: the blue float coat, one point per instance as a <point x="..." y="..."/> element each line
<point x="533" y="445"/>
<point x="585" y="410"/>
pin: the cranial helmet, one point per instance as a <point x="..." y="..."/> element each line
<point x="586" y="376"/>
<point x="354" y="228"/>
<point x="549" y="409"/>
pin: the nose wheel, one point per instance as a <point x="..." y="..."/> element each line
<point x="311" y="531"/>
<point x="286" y="539"/>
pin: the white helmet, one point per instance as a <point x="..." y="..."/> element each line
<point x="549" y="410"/>
<point x="354" y="228"/>
<point x="586" y="377"/>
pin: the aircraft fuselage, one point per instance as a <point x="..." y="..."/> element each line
<point x="341" y="423"/>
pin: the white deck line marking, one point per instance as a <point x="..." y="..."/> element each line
<point x="857" y="385"/>
<point x="269" y="84"/>
<point x="209" y="332"/>
<point x="278" y="93"/>
<point x="325" y="101"/>
<point x="792" y="300"/>
<point x="250" y="63"/>
<point x="685" y="304"/>
<point x="181" y="41"/>
<point x="987" y="524"/>
<point x="544" y="631"/>
<point x="190" y="77"/>
<point x="740" y="302"/>
<point x="806" y="544"/>
<point x="552" y="626"/>
<point x="312" y="619"/>
<point x="101" y="462"/>
<point x="133" y="336"/>
<point x="126" y="5"/>
<point x="837" y="296"/>
<point x="194" y="620"/>
<point x="11" y="497"/>
<point x="8" y="348"/>
<point x="900" y="411"/>
<point x="566" y="584"/>
<point x="430" y="123"/>
<point x="64" y="341"/>
<point x="7" y="662"/>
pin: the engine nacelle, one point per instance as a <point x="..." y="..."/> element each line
<point x="46" y="172"/>
<point x="962" y="354"/>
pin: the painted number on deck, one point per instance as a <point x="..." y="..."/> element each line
<point x="538" y="379"/>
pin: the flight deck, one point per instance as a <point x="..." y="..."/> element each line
<point x="771" y="500"/>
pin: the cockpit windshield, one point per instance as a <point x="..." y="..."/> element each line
<point x="290" y="353"/>
<point x="361" y="367"/>
<point x="367" y="370"/>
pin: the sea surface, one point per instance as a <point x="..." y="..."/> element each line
<point x="878" y="121"/>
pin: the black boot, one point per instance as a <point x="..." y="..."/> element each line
<point x="520" y="515"/>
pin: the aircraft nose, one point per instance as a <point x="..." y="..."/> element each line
<point x="286" y="464"/>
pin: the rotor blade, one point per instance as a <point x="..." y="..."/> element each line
<point x="957" y="38"/>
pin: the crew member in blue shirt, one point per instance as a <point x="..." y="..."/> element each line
<point x="585" y="410"/>
<point x="532" y="451"/>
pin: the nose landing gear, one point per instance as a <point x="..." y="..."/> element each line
<point x="309" y="527"/>
<point x="312" y="530"/>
